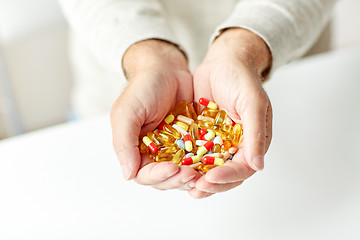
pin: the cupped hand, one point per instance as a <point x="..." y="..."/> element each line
<point x="231" y="75"/>
<point x="158" y="78"/>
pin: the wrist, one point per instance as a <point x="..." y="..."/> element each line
<point x="153" y="54"/>
<point x="246" y="47"/>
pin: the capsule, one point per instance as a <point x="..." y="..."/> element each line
<point x="194" y="132"/>
<point x="165" y="157"/>
<point x="209" y="135"/>
<point x="190" y="111"/>
<point x="227" y="136"/>
<point x="184" y="119"/>
<point x="188" y="143"/>
<point x="205" y="124"/>
<point x="155" y="138"/>
<point x="144" y="149"/>
<point x="226" y="145"/>
<point x="179" y="129"/>
<point x="216" y="148"/>
<point x="218" y="140"/>
<point x="168" y="149"/>
<point x="206" y="168"/>
<point x="178" y="156"/>
<point x="200" y="142"/>
<point x="213" y="160"/>
<point x="169" y="119"/>
<point x="233" y="150"/>
<point x="209" y="104"/>
<point x="182" y="125"/>
<point x="179" y="108"/>
<point x="209" y="112"/>
<point x="237" y="133"/>
<point x="166" y="137"/>
<point x="191" y="160"/>
<point x="228" y="121"/>
<point x="204" y="118"/>
<point x="226" y="128"/>
<point x="202" y="131"/>
<point x="172" y="131"/>
<point x="206" y="147"/>
<point x="150" y="144"/>
<point x="220" y="117"/>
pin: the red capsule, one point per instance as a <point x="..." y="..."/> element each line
<point x="190" y="160"/>
<point x="213" y="160"/>
<point x="169" y="119"/>
<point x="150" y="144"/>
<point x="208" y="103"/>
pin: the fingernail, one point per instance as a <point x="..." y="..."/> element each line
<point x="185" y="180"/>
<point x="258" y="163"/>
<point x="191" y="185"/>
<point x="126" y="172"/>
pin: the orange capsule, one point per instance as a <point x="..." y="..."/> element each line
<point x="155" y="138"/>
<point x="194" y="132"/>
<point x="216" y="148"/>
<point x="164" y="157"/>
<point x="150" y="144"/>
<point x="206" y="168"/>
<point x="213" y="160"/>
<point x="205" y="124"/>
<point x="178" y="156"/>
<point x="144" y="149"/>
<point x="166" y="137"/>
<point x="169" y="119"/>
<point x="227" y="136"/>
<point x="190" y="160"/>
<point x="207" y="103"/>
<point x="209" y="112"/>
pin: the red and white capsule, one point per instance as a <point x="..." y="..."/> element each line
<point x="207" y="103"/>
<point x="150" y="144"/>
<point x="188" y="143"/>
<point x="169" y="119"/>
<point x="213" y="160"/>
<point x="191" y="160"/>
<point x="204" y="148"/>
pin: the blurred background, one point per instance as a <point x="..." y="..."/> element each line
<point x="35" y="73"/>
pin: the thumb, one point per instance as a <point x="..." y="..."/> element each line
<point x="253" y="114"/>
<point x="126" y="127"/>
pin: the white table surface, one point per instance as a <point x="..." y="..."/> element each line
<point x="65" y="182"/>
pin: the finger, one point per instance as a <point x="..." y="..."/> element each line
<point x="231" y="172"/>
<point x="201" y="85"/>
<point x="206" y="186"/>
<point x="252" y="110"/>
<point x="197" y="194"/>
<point x="184" y="179"/>
<point x="126" y="125"/>
<point x="154" y="173"/>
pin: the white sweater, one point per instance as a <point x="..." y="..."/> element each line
<point x="108" y="27"/>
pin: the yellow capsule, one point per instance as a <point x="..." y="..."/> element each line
<point x="210" y="134"/>
<point x="190" y="111"/>
<point x="204" y="118"/>
<point x="205" y="168"/>
<point x="156" y="139"/>
<point x="226" y="128"/>
<point x="166" y="137"/>
<point x="164" y="157"/>
<point x="220" y="117"/>
<point x="205" y="124"/>
<point x="227" y="136"/>
<point x="182" y="125"/>
<point x="179" y="108"/>
<point x="226" y="145"/>
<point x="168" y="149"/>
<point x="228" y="121"/>
<point x="216" y="148"/>
<point x="169" y="129"/>
<point x="209" y="112"/>
<point x="237" y="132"/>
<point x="144" y="149"/>
<point x="194" y="132"/>
<point x="178" y="156"/>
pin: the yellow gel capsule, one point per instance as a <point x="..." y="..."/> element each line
<point x="178" y="156"/>
<point x="205" y="168"/>
<point x="194" y="132"/>
<point x="179" y="108"/>
<point x="237" y="132"/>
<point x="169" y="129"/>
<point x="166" y="137"/>
<point x="209" y="112"/>
<point x="164" y="157"/>
<point x="226" y="128"/>
<point x="216" y="148"/>
<point x="227" y="136"/>
<point x="168" y="149"/>
<point x="157" y="140"/>
<point x="204" y="124"/>
<point x="220" y="117"/>
<point x="190" y="111"/>
<point x="182" y="125"/>
<point x="144" y="149"/>
<point x="226" y="145"/>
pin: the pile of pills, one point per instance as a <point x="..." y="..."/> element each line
<point x="201" y="141"/>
